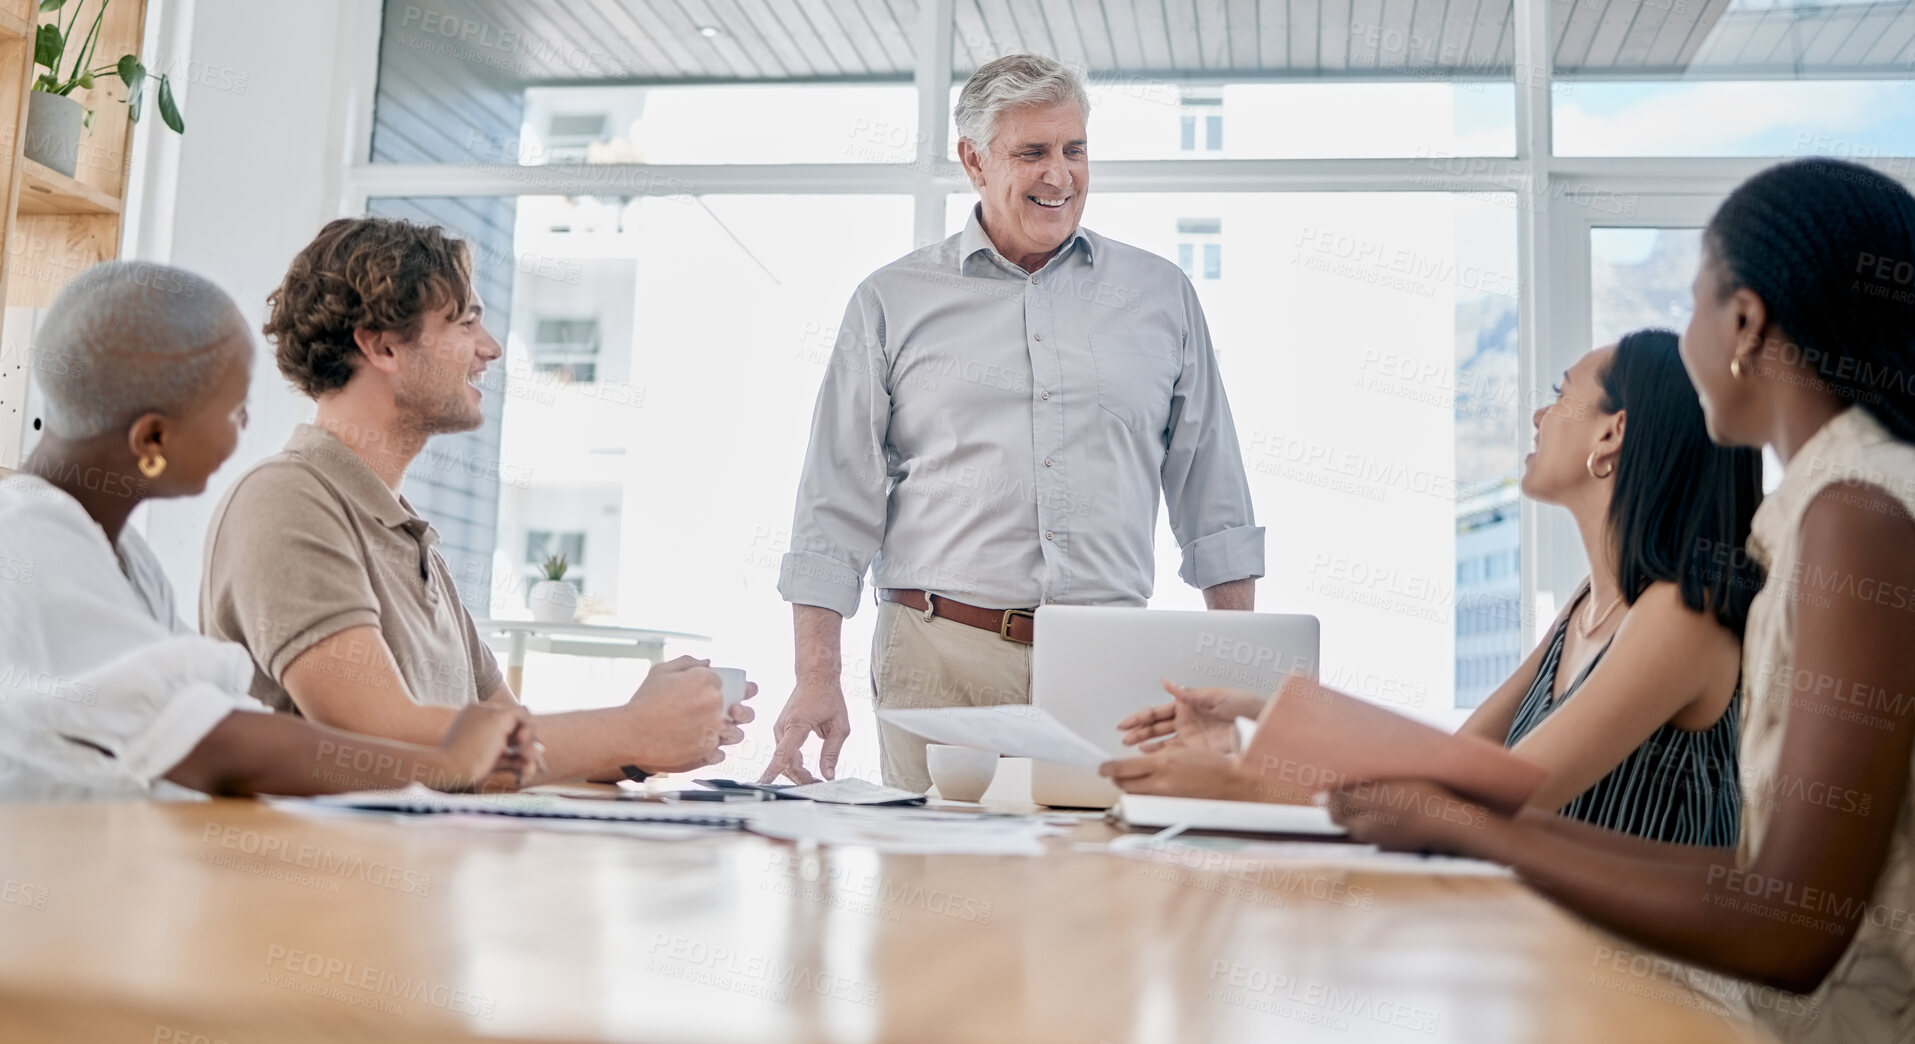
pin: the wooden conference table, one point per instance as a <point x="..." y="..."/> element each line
<point x="234" y="922"/>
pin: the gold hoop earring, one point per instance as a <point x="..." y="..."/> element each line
<point x="152" y="466"/>
<point x="1591" y="465"/>
<point x="1735" y="367"/>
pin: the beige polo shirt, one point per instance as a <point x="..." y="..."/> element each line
<point x="311" y="542"/>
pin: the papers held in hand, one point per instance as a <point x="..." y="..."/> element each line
<point x="1013" y="730"/>
<point x="1312" y="739"/>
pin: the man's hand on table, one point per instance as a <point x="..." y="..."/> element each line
<point x="816" y="705"/>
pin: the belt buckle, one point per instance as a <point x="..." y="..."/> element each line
<point x="1004" y="624"/>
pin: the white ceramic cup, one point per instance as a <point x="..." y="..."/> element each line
<point x="732" y="680"/>
<point x="961" y="773"/>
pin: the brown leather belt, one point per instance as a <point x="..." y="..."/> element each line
<point x="1012" y="625"/>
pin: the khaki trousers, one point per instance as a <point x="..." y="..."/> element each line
<point x="919" y="660"/>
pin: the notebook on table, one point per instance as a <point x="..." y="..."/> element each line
<point x="1153" y="812"/>
<point x="420" y="800"/>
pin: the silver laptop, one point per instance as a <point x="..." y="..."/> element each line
<point x="1092" y="667"/>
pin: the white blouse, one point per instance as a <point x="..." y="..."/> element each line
<point x="1870" y="994"/>
<point x="102" y="688"/>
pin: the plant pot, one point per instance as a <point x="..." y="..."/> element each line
<point x="553" y="601"/>
<point x="54" y="123"/>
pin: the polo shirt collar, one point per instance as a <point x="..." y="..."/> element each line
<point x="355" y="478"/>
<point x="973" y="239"/>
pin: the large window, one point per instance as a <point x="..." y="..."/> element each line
<point x="677" y="201"/>
<point x="1741" y="78"/>
<point x="1367" y="344"/>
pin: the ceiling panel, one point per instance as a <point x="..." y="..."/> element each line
<point x="1273" y="35"/>
<point x="1578" y="30"/>
<point x="1245" y="31"/>
<point x="1099" y="48"/>
<point x="662" y="41"/>
<point x="1486" y="33"/>
<point x="1617" y="17"/>
<point x="1684" y="21"/>
<point x="1421" y="48"/>
<point x="1306" y="41"/>
<point x="1073" y="42"/>
<point x="1897" y="46"/>
<point x="1643" y="30"/>
<point x="1333" y="25"/>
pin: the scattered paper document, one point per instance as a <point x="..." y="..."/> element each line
<point x="641" y="830"/>
<point x="852" y="791"/>
<point x="417" y="799"/>
<point x="903" y="831"/>
<point x="1013" y="731"/>
<point x="1237" y="855"/>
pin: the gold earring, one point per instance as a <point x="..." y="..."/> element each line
<point x="1735" y="367"/>
<point x="1591" y="465"/>
<point x="152" y="466"/>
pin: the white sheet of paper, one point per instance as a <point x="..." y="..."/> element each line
<point x="1236" y="854"/>
<point x="850" y="791"/>
<point x="904" y="831"/>
<point x="1012" y="731"/>
<point x="1246" y="728"/>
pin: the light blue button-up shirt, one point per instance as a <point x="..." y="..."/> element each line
<point x="1003" y="438"/>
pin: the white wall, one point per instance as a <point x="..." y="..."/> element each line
<point x="258" y="174"/>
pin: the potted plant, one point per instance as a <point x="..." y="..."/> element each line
<point x="54" y="117"/>
<point x="554" y="599"/>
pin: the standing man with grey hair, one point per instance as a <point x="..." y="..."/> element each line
<point x="1002" y="412"/>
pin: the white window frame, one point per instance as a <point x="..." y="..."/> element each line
<point x="1552" y="251"/>
<point x="572" y="354"/>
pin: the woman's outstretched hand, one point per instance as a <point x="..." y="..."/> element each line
<point x="1194" y="717"/>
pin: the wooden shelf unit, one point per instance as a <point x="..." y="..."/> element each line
<point x="55" y="226"/>
<point x="45" y="191"/>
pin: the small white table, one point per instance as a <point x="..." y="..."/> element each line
<point x="575" y="639"/>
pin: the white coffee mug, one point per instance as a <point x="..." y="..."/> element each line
<point x="960" y="773"/>
<point x="732" y="680"/>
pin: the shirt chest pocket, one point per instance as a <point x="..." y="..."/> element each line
<point x="1135" y="374"/>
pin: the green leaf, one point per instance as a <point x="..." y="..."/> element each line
<point x="85" y="80"/>
<point x="132" y="73"/>
<point x="87" y="120"/>
<point x="169" y="109"/>
<point x="47" y="45"/>
<point x="135" y="100"/>
<point x="53" y="5"/>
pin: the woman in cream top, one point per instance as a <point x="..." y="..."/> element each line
<point x="1802" y="340"/>
<point x="1869" y="993"/>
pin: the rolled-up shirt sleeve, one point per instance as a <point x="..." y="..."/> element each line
<point x="1205" y="487"/>
<point x="838" y="524"/>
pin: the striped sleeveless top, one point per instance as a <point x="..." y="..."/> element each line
<point x="1679" y="786"/>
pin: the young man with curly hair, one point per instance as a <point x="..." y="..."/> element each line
<point x="323" y="571"/>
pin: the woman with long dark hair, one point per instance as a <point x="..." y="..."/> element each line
<point x="1650" y="647"/>
<point x="1629" y="699"/>
<point x="1803" y="340"/>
